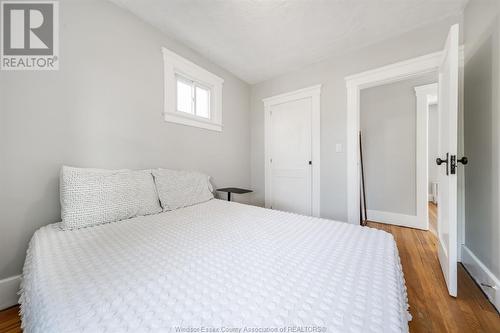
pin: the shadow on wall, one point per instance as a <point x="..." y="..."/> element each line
<point x="482" y="136"/>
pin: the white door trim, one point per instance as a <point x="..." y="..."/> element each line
<point x="372" y="78"/>
<point x="313" y="92"/>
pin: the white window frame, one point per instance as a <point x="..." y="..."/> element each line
<point x="175" y="65"/>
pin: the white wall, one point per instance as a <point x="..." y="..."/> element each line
<point x="482" y="133"/>
<point x="388" y="116"/>
<point x="331" y="74"/>
<point x="433" y="132"/>
<point x="103" y="108"/>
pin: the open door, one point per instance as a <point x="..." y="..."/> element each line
<point x="448" y="124"/>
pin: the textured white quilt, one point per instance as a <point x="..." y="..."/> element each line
<point x="214" y="267"/>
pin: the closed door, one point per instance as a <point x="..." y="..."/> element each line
<point x="290" y="159"/>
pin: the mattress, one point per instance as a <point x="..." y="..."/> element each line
<point x="214" y="267"/>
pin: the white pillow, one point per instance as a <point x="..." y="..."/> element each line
<point x="178" y="189"/>
<point x="95" y="196"/>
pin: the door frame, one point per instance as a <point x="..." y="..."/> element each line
<point x="313" y="92"/>
<point x="379" y="76"/>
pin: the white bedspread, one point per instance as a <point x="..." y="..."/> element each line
<point x="218" y="265"/>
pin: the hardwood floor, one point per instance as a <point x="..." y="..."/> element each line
<point x="433" y="310"/>
<point x="433" y="208"/>
<point x="10" y="321"/>
<point x="431" y="307"/>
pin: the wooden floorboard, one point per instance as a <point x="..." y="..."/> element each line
<point x="433" y="310"/>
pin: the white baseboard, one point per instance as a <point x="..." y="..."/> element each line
<point x="481" y="274"/>
<point x="394" y="218"/>
<point x="8" y="291"/>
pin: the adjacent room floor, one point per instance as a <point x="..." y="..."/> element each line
<point x="431" y="307"/>
<point x="433" y="218"/>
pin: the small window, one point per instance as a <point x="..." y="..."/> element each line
<point x="193" y="96"/>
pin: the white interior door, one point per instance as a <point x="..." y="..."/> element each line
<point x="448" y="125"/>
<point x="290" y="158"/>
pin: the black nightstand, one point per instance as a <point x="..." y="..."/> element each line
<point x="230" y="190"/>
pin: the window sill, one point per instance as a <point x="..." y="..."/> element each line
<point x="193" y="122"/>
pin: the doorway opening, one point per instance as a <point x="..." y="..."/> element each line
<point x="446" y="63"/>
<point x="394" y="121"/>
<point x="427" y="102"/>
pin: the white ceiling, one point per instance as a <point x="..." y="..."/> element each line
<point x="260" y="39"/>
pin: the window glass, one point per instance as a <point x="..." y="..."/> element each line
<point x="184" y="96"/>
<point x="202" y="102"/>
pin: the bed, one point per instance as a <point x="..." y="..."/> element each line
<point x="216" y="266"/>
